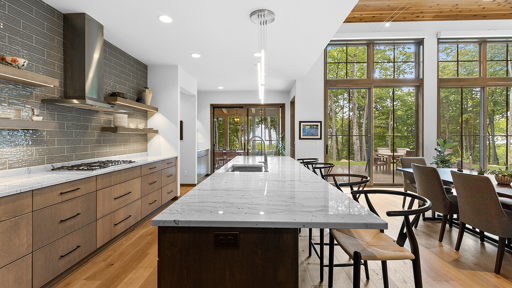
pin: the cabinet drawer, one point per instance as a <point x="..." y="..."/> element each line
<point x="115" y="197"/>
<point x="111" y="179"/>
<point x="59" y="220"/>
<point x="168" y="163"/>
<point x="151" y="182"/>
<point x="17" y="274"/>
<point x="55" y="194"/>
<point x="118" y="221"/>
<point x="15" y="238"/>
<point x="151" y="202"/>
<point x="55" y="258"/>
<point x="168" y="175"/>
<point x="169" y="191"/>
<point x="15" y="205"/>
<point x="150" y="168"/>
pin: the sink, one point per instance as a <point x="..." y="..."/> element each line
<point x="246" y="168"/>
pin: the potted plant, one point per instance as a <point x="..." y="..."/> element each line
<point x="443" y="159"/>
<point x="482" y="171"/>
<point x="280" y="146"/>
<point x="503" y="176"/>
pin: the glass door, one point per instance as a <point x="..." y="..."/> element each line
<point x="228" y="134"/>
<point x="264" y="122"/>
<point x="394" y="131"/>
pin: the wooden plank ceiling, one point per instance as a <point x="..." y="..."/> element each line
<point x="429" y="10"/>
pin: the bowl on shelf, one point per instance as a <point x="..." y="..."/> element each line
<point x="15" y="62"/>
<point x="37" y="118"/>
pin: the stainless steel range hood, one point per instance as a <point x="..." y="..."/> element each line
<point x="83" y="64"/>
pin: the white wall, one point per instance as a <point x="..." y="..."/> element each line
<point x="205" y="98"/>
<point x="309" y="106"/>
<point x="167" y="83"/>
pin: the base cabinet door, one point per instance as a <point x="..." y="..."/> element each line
<point x="56" y="257"/>
<point x="15" y="238"/>
<point x="169" y="192"/>
<point x="17" y="274"/>
<point x="116" y="222"/>
<point x="151" y="202"/>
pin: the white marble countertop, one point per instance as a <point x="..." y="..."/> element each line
<point x="26" y="179"/>
<point x="288" y="196"/>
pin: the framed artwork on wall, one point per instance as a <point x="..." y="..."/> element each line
<point x="310" y="130"/>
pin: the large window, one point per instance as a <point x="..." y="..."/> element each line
<point x="459" y="60"/>
<point x="395" y="61"/>
<point x="475" y="112"/>
<point x="346" y="62"/>
<point x="499" y="63"/>
<point x="373" y="91"/>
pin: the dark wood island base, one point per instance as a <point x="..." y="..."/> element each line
<point x="228" y="257"/>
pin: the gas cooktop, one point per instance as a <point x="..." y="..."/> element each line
<point x="91" y="166"/>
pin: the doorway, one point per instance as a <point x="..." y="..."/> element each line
<point x="233" y="125"/>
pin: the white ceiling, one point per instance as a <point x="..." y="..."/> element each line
<point x="222" y="33"/>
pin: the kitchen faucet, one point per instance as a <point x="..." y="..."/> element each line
<point x="264" y="150"/>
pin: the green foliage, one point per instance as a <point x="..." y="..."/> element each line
<point x="443" y="159"/>
<point x="482" y="171"/>
<point x="280" y="149"/>
<point x="502" y="172"/>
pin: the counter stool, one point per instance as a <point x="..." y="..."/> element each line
<point x="363" y="245"/>
<point x="349" y="180"/>
<point x="322" y="170"/>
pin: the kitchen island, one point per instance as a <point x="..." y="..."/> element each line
<point x="240" y="229"/>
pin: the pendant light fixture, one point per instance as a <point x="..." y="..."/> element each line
<point x="262" y="18"/>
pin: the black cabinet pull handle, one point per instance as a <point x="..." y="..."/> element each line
<point x="62" y="256"/>
<point x="152" y="202"/>
<point x="115" y="198"/>
<point x="169" y="175"/>
<point x="169" y="163"/>
<point x="153" y="182"/>
<point x="122" y="220"/>
<point x="73" y="190"/>
<point x="64" y="220"/>
<point x="170" y="192"/>
<point x="152" y="168"/>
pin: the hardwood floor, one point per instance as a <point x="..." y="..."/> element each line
<point x="131" y="260"/>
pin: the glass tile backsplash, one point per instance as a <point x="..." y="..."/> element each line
<point x="33" y="30"/>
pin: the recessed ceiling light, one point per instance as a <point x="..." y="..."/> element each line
<point x="195" y="55"/>
<point x="257" y="54"/>
<point x="220" y="87"/>
<point x="387" y="24"/>
<point x="165" y="19"/>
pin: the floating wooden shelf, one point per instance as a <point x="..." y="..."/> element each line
<point x="130" y="103"/>
<point x="26" y="78"/>
<point x="129" y="130"/>
<point x="15" y="124"/>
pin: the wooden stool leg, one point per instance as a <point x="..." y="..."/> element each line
<point x="357" y="270"/>
<point x="416" y="267"/>
<point x="482" y="236"/>
<point x="310" y="239"/>
<point x="331" y="261"/>
<point x="443" y="227"/>
<point x="462" y="228"/>
<point x="499" y="255"/>
<point x="322" y="255"/>
<point x="385" y="274"/>
<point x="366" y="271"/>
<point x="450" y="221"/>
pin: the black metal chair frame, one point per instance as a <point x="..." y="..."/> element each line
<point x="402" y="237"/>
<point x="364" y="179"/>
<point x="324" y="169"/>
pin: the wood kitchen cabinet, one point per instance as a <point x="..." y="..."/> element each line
<point x="52" y="228"/>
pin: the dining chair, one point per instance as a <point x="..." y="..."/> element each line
<point x="219" y="158"/>
<point x="480" y="207"/>
<point x="409" y="182"/>
<point x="363" y="245"/>
<point x="430" y="185"/>
<point x="383" y="150"/>
<point x="230" y="154"/>
<point x="410" y="153"/>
